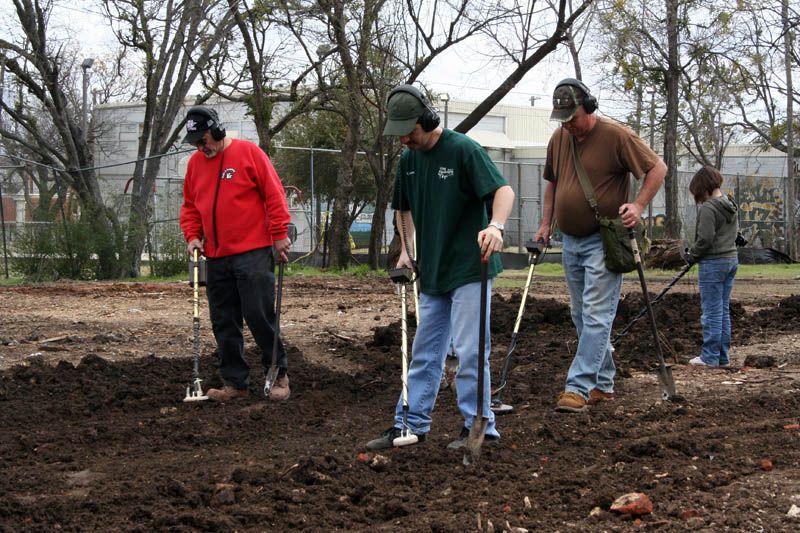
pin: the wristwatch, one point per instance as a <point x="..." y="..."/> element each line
<point x="499" y="226"/>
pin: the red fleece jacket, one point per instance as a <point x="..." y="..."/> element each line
<point x="251" y="210"/>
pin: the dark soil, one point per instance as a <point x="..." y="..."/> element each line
<point x="104" y="446"/>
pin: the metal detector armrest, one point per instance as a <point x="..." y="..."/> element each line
<point x="401" y="275"/>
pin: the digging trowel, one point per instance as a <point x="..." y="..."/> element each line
<point x="480" y="422"/>
<point x="272" y="373"/>
<point x="664" y="371"/>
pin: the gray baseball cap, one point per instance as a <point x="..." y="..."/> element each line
<point x="403" y="111"/>
<point x="565" y="103"/>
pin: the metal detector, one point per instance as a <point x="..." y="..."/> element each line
<point x="403" y="277"/>
<point x="497" y="404"/>
<point x="480" y="422"/>
<point x="194" y="391"/>
<point x="272" y="373"/>
<point x="658" y="297"/>
<point x="664" y="372"/>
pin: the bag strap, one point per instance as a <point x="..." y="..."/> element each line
<point x="585" y="185"/>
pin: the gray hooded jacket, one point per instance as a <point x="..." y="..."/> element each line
<point x="717" y="227"/>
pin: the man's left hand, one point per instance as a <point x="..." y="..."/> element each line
<point x="281" y="248"/>
<point x="630" y="214"/>
<point x="490" y="241"/>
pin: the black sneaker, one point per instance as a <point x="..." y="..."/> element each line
<point x="461" y="441"/>
<point x="386" y="440"/>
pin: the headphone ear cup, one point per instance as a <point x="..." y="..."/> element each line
<point x="429" y="120"/>
<point x="589" y="103"/>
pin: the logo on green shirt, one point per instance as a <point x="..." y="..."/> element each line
<point x="445" y="173"/>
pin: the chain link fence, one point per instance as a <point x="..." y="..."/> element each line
<point x="763" y="211"/>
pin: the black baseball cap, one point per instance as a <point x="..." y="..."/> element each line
<point x="197" y="124"/>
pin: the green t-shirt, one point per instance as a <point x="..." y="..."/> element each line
<point x="445" y="188"/>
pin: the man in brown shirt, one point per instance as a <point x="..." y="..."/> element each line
<point x="609" y="152"/>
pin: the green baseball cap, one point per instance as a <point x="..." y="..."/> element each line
<point x="403" y="111"/>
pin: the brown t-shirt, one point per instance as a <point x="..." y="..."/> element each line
<point x="609" y="153"/>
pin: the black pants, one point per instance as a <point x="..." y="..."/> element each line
<point x="241" y="287"/>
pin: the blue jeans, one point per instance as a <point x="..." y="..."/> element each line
<point x="716" y="284"/>
<point x="241" y="289"/>
<point x="594" y="295"/>
<point x="454" y="315"/>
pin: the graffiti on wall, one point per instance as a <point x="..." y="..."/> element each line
<point x="761" y="210"/>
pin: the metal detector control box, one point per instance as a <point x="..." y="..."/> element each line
<point x="201" y="273"/>
<point x="401" y="275"/>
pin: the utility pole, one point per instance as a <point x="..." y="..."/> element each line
<point x="86" y="65"/>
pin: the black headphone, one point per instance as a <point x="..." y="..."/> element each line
<point x="430" y="118"/>
<point x="588" y="101"/>
<point x="212" y="121"/>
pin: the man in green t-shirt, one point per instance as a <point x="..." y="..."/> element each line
<point x="443" y="181"/>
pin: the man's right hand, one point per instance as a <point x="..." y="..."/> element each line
<point x="543" y="235"/>
<point x="194" y="244"/>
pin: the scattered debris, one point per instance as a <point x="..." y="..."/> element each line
<point x="633" y="503"/>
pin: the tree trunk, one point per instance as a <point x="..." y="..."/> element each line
<point x="338" y="234"/>
<point x="672" y="75"/>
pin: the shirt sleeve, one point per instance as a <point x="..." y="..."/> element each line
<point x="706" y="230"/>
<point x="274" y="196"/>
<point x="190" y="220"/>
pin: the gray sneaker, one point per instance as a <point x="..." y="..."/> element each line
<point x="461" y="441"/>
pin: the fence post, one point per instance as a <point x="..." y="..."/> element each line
<point x="519" y="207"/>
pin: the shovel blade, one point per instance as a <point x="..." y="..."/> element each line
<point x="272" y="376"/>
<point x="666" y="382"/>
<point x="475" y="440"/>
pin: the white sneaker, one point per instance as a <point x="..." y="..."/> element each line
<point x="697" y="361"/>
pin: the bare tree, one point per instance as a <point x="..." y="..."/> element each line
<point x="45" y="70"/>
<point x="175" y="41"/>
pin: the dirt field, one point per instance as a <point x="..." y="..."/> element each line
<point x="95" y="435"/>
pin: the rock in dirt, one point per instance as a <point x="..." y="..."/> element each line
<point x="379" y="463"/>
<point x="794" y="512"/>
<point x="633" y="503"/>
<point x="760" y="361"/>
<point x="223" y="495"/>
<point x="766" y="465"/>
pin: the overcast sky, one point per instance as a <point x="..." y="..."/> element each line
<point x="461" y="73"/>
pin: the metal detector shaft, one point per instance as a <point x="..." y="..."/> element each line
<point x="272" y="373"/>
<point x="498" y="394"/>
<point x="660" y="295"/>
<point x="194" y="391"/>
<point x="664" y="372"/>
<point x="480" y="422"/>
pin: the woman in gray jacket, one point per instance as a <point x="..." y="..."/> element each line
<point x="715" y="250"/>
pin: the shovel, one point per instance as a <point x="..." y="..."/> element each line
<point x="272" y="373"/>
<point x="194" y="391"/>
<point x="480" y="422"/>
<point x="664" y="372"/>
<point x="497" y="404"/>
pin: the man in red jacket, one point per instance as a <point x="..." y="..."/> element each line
<point x="234" y="212"/>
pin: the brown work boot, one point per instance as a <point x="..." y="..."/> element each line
<point x="596" y="396"/>
<point x="571" y="402"/>
<point x="227" y="393"/>
<point x="280" y="390"/>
